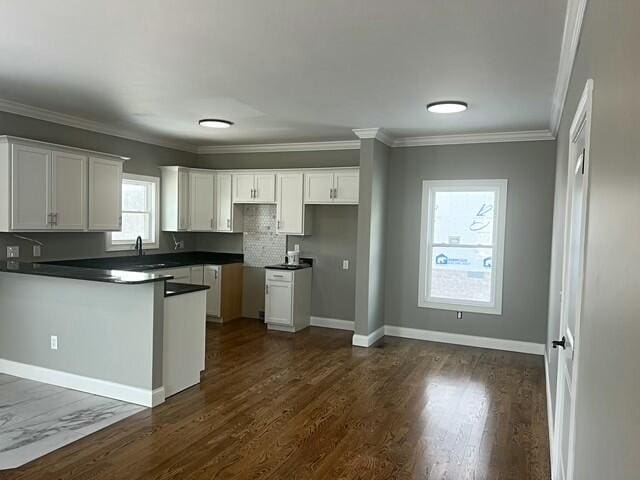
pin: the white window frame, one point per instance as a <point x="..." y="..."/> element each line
<point x="429" y="188"/>
<point x="121" y="245"/>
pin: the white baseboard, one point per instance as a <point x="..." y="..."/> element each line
<point x="469" y="340"/>
<point x="104" y="388"/>
<point x="368" y="340"/>
<point x="549" y="406"/>
<point x="332" y="323"/>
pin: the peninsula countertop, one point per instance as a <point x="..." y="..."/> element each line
<point x="78" y="273"/>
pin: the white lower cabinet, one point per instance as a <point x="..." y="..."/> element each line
<point x="288" y="299"/>
<point x="213" y="278"/>
<point x="197" y="275"/>
<point x="180" y="275"/>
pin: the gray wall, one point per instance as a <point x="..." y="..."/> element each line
<point x="529" y="168"/>
<point x="372" y="211"/>
<point x="145" y="160"/>
<point x="608" y="394"/>
<point x="328" y="158"/>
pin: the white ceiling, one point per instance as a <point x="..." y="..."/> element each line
<point x="284" y="70"/>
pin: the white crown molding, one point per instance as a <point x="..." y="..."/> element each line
<point x="98" y="127"/>
<point x="282" y="147"/>
<point x="497" y="137"/>
<point x="570" y="40"/>
<point x="377" y="133"/>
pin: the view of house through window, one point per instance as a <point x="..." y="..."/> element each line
<point x="462" y="241"/>
<point x="139" y="213"/>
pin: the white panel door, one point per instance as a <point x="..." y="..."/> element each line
<point x="346" y="186"/>
<point x="279" y="303"/>
<point x="243" y="187"/>
<point x="105" y="194"/>
<point x="212" y="279"/>
<point x="69" y="191"/>
<point x="318" y="187"/>
<point x="290" y="210"/>
<point x="265" y="188"/>
<point x="30" y="188"/>
<point x="183" y="200"/>
<point x="224" y="206"/>
<point x="197" y="275"/>
<point x="201" y="186"/>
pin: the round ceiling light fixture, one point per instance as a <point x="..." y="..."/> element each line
<point x="215" y="123"/>
<point x="448" y="106"/>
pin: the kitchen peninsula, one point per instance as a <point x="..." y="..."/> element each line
<point x="101" y="331"/>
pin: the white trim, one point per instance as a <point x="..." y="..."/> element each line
<point x="98" y="127"/>
<point x="281" y="147"/>
<point x="127" y="246"/>
<point x="469" y="138"/>
<point x="104" y="388"/>
<point x="377" y="133"/>
<point x="570" y="40"/>
<point x="468" y="340"/>
<point x="429" y="189"/>
<point x="368" y="340"/>
<point x="549" y="405"/>
<point x="332" y="323"/>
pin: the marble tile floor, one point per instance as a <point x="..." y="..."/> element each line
<point x="37" y="418"/>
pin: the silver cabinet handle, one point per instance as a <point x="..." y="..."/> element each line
<point x="278" y="224"/>
<point x="228" y="223"/>
<point x="215" y="274"/>
<point x="267" y="289"/>
<point x="55" y="219"/>
<point x="50" y="219"/>
<point x="212" y="224"/>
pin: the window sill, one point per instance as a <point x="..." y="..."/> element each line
<point x="460" y="307"/>
<point x="130" y="247"/>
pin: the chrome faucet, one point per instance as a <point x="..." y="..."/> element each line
<point x="138" y="246"/>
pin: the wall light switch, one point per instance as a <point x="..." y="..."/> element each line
<point x="13" y="252"/>
<point x="296" y="247"/>
<point x="345" y="264"/>
<point x="459" y="315"/>
<point x="54" y="342"/>
<point x="37" y="250"/>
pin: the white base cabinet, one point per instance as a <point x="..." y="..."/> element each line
<point x="288" y="299"/>
<point x="213" y="278"/>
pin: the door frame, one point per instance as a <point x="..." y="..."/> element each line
<point x="581" y="123"/>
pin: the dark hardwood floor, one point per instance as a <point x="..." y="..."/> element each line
<point x="311" y="406"/>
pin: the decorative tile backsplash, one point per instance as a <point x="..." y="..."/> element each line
<point x="262" y="246"/>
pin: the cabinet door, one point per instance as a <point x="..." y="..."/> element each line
<point x="197" y="275"/>
<point x="279" y="303"/>
<point x="318" y="187"/>
<point x="201" y="186"/>
<point x="213" y="280"/>
<point x="290" y="210"/>
<point x="105" y="194"/>
<point x="30" y="188"/>
<point x="265" y="185"/>
<point x="347" y="186"/>
<point x="243" y="187"/>
<point x="224" y="206"/>
<point x="183" y="200"/>
<point x="69" y="191"/>
<point x="180" y="275"/>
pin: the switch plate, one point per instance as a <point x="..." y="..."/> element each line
<point x="296" y="247"/>
<point x="54" y="342"/>
<point x="345" y="264"/>
<point x="13" y="252"/>
<point x="37" y="250"/>
<point x="459" y="315"/>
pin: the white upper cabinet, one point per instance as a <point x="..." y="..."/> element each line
<point x="30" y="188"/>
<point x="105" y="194"/>
<point x="290" y="204"/>
<point x="228" y="216"/>
<point x="202" y="213"/>
<point x="254" y="187"/>
<point x="69" y="191"/>
<point x="335" y="187"/>
<point x="175" y="199"/>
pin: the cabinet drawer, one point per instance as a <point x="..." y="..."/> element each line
<point x="280" y="275"/>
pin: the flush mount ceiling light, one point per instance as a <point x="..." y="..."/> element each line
<point x="215" y="123"/>
<point x="448" y="106"/>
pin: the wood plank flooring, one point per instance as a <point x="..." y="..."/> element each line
<point x="310" y="406"/>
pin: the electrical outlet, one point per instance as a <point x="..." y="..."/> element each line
<point x="13" y="252"/>
<point x="54" y="342"/>
<point x="345" y="264"/>
<point x="181" y="244"/>
<point x="296" y="247"/>
<point x="37" y="250"/>
<point x="459" y="315"/>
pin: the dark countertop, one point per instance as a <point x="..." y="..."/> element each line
<point x="153" y="261"/>
<point x="304" y="263"/>
<point x="76" y="273"/>
<point x="172" y="289"/>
